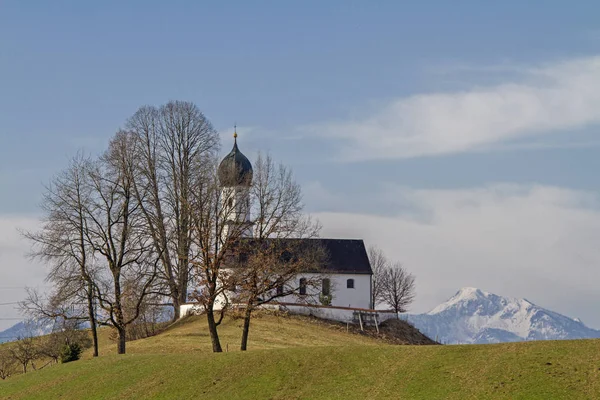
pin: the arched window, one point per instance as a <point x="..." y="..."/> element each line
<point x="230" y="202"/>
<point x="326" y="287"/>
<point x="350" y="283"/>
<point x="279" y="290"/>
<point x="302" y="286"/>
<point x="285" y="256"/>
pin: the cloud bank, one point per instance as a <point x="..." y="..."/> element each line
<point x="16" y="270"/>
<point x="533" y="241"/>
<point x="537" y="242"/>
<point x="552" y="98"/>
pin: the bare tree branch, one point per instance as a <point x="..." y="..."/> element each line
<point x="379" y="264"/>
<point x="397" y="288"/>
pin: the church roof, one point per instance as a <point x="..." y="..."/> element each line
<point x="348" y="256"/>
<point x="343" y="256"/>
<point x="235" y="169"/>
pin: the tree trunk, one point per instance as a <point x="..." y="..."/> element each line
<point x="246" y="330"/>
<point x="122" y="341"/>
<point x="212" y="329"/>
<point x="92" y="318"/>
<point x="176" y="307"/>
<point x="183" y="288"/>
<point x="119" y="319"/>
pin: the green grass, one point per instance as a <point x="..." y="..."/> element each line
<point x="267" y="331"/>
<point x="298" y="358"/>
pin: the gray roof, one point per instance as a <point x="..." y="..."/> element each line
<point x="345" y="256"/>
<point x="235" y="169"/>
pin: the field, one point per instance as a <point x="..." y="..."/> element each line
<point x="292" y="358"/>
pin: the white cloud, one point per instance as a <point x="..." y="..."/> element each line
<point x="537" y="242"/>
<point x="545" y="99"/>
<point x="16" y="270"/>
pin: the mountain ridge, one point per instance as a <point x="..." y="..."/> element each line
<point x="475" y="316"/>
<point x="25" y="328"/>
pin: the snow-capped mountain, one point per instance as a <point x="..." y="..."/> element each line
<point x="475" y="316"/>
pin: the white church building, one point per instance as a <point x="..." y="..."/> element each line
<point x="345" y="278"/>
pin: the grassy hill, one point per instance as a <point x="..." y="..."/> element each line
<point x="267" y="331"/>
<point x="299" y="358"/>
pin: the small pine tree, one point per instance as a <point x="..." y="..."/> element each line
<point x="70" y="352"/>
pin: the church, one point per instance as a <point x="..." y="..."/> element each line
<point x="346" y="276"/>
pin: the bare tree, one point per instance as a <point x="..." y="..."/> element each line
<point x="151" y="313"/>
<point x="65" y="333"/>
<point x="24" y="351"/>
<point x="216" y="229"/>
<point x="54" y="307"/>
<point x="117" y="219"/>
<point x="63" y="311"/>
<point x="51" y="346"/>
<point x="397" y="288"/>
<point x="268" y="269"/>
<point x="62" y="243"/>
<point x="7" y="363"/>
<point x="172" y="143"/>
<point x="270" y="263"/>
<point x="117" y="234"/>
<point x="379" y="264"/>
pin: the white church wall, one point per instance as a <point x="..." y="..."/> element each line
<point x="359" y="296"/>
<point x="333" y="313"/>
<point x="189" y="309"/>
<point x="342" y="314"/>
<point x="342" y="296"/>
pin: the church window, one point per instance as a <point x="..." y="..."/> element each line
<point x="350" y="283"/>
<point x="279" y="290"/>
<point x="285" y="257"/>
<point x="230" y="202"/>
<point x="302" y="286"/>
<point x="326" y="287"/>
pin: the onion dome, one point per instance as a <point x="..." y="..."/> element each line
<point x="235" y="169"/>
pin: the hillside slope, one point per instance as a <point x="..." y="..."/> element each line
<point x="475" y="316"/>
<point x="531" y="370"/>
<point x="267" y="331"/>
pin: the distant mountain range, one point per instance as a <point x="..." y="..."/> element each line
<point x="475" y="316"/>
<point x="31" y="327"/>
<point x="25" y="329"/>
<point x="470" y="316"/>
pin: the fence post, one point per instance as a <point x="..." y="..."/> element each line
<point x="360" y="321"/>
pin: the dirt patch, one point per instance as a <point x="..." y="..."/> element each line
<point x="394" y="331"/>
<point x="402" y="332"/>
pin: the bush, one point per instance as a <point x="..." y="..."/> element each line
<point x="70" y="352"/>
<point x="7" y="363"/>
<point x="325" y="299"/>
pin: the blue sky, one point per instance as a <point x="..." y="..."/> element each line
<point x="423" y="127"/>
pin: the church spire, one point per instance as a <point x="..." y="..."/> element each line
<point x="235" y="169"/>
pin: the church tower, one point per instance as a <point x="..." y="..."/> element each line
<point x="235" y="178"/>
